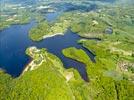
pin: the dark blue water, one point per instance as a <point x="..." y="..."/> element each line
<point x="14" y="41"/>
<point x="50" y="17"/>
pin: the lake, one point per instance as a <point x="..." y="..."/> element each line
<point x="14" y="41"/>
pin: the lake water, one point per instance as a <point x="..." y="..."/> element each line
<point x="14" y="41"/>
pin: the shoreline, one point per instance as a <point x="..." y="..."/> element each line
<point x="52" y="35"/>
<point x="26" y="67"/>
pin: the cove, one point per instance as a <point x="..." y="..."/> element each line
<point x="14" y="41"/>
